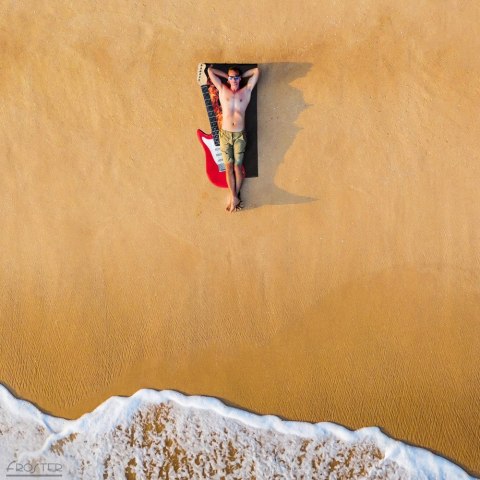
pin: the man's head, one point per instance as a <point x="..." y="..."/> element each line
<point x="234" y="77"/>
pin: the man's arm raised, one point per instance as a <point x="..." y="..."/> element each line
<point x="253" y="73"/>
<point x="215" y="75"/>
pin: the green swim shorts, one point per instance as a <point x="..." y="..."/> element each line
<point x="232" y="146"/>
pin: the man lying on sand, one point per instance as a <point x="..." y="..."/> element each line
<point x="233" y="140"/>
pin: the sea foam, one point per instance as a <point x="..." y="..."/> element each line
<point x="164" y="434"/>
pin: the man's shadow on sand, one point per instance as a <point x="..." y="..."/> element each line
<point x="279" y="106"/>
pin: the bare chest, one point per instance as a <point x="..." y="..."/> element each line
<point x="235" y="101"/>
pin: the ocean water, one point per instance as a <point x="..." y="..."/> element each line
<point x="164" y="434"/>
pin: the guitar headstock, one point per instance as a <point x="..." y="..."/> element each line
<point x="202" y="78"/>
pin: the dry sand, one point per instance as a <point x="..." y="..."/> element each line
<point x="347" y="291"/>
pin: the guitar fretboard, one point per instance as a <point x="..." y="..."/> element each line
<point x="211" y="114"/>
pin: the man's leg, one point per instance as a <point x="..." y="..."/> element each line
<point x="238" y="178"/>
<point x="226" y="147"/>
<point x="239" y="151"/>
<point x="230" y="174"/>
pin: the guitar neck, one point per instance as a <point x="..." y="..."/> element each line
<point x="211" y="114"/>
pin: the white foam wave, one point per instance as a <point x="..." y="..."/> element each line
<point x="164" y="434"/>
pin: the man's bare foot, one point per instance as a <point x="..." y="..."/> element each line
<point x="229" y="206"/>
<point x="240" y="205"/>
<point x="235" y="205"/>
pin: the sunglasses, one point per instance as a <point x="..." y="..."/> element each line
<point x="236" y="77"/>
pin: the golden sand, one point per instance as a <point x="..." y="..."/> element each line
<point x="347" y="291"/>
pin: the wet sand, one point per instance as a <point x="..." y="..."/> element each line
<point x="346" y="291"/>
